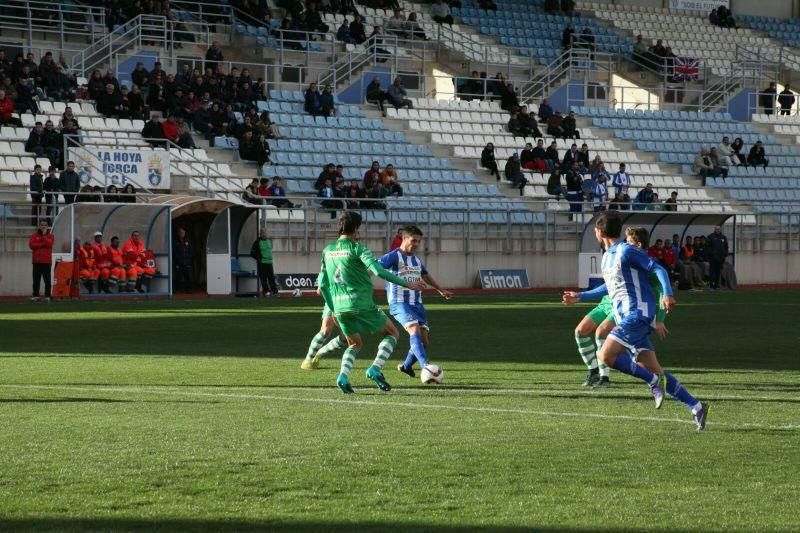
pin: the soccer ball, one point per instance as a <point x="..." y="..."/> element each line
<point x="431" y="374"/>
<point x="296" y="293"/>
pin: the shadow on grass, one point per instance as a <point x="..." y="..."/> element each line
<point x="96" y="400"/>
<point x="78" y="524"/>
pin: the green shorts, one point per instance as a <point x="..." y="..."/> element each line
<point x="367" y="321"/>
<point x="601" y="312"/>
<point x="326" y="312"/>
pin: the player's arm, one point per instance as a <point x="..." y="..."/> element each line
<point x="444" y="293"/>
<point x="573" y="297"/>
<point x="323" y="286"/>
<point x="644" y="262"/>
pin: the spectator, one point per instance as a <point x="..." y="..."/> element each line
<point x="508" y="98"/>
<point x="757" y="155"/>
<point x="552" y="7"/>
<point x="128" y="195"/>
<point x="278" y="193"/>
<point x="169" y="129"/>
<point x="656" y="251"/>
<point x="528" y="160"/>
<point x="96" y="86"/>
<point x="343" y="33"/>
<point x="528" y="123"/>
<point x="388" y="178"/>
<point x="36" y="191"/>
<point x="413" y="28"/>
<point x="619" y="203"/>
<point x="671" y="203"/>
<point x="640" y="50"/>
<point x="488" y="160"/>
<point x="35" y="143"/>
<point x="726" y="154"/>
<point x="327" y="107"/>
<point x="737" y="157"/>
<point x="313" y="102"/>
<point x="328" y="172"/>
<point x="767" y="99"/>
<point x="643" y="198"/>
<point x="600" y="194"/>
<point x="600" y="170"/>
<point x="583" y="158"/>
<point x="182" y="259"/>
<point x="328" y="193"/>
<point x="213" y="56"/>
<point x="185" y="139"/>
<point x="153" y="131"/>
<point x="372" y="175"/>
<point x="552" y="155"/>
<point x="41" y="244"/>
<point x="398" y="96"/>
<point x="267" y="128"/>
<point x="53" y="143"/>
<point x="655" y="204"/>
<point x="375" y="94"/>
<point x="357" y="29"/>
<point x="622" y="184"/>
<point x="554" y="185"/>
<point x="571" y="156"/>
<point x="112" y="194"/>
<point x="586" y="40"/>
<point x="487" y="5"/>
<point x="440" y="12"/>
<point x="540" y="155"/>
<point x="261" y="251"/>
<point x="338" y="176"/>
<point x="7" y="111"/>
<point x="250" y="194"/>
<point x="376" y="192"/>
<point x="135" y="103"/>
<point x="314" y="19"/>
<point x="719" y="169"/>
<point x="513" y="172"/>
<point x="545" y="110"/>
<point x="703" y="166"/>
<point x="786" y="100"/>
<point x="514" y="127"/>
<point x="659" y="50"/>
<point x="69" y="183"/>
<point x="109" y="102"/>
<point x="254" y="149"/>
<point x="140" y="76"/>
<point x="569" y="127"/>
<point x="716" y="251"/>
<point x="396" y="24"/>
<point x="85" y="195"/>
<point x="201" y="120"/>
<point x="567" y="37"/>
<point x="51" y="187"/>
<point x="354" y="193"/>
<point x="555" y="125"/>
<point x="568" y="7"/>
<point x="574" y="188"/>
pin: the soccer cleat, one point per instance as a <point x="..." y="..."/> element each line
<point x="658" y="390"/>
<point x="343" y="382"/>
<point x="406" y="371"/>
<point x="374" y="373"/>
<point x="700" y="416"/>
<point x="310" y="364"/>
<point x="591" y="378"/>
<point x="602" y="383"/>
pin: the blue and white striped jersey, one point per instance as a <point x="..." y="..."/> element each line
<point x="625" y="272"/>
<point x="408" y="267"/>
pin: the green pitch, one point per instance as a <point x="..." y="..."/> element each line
<point x="194" y="415"/>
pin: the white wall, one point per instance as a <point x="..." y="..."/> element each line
<point x="766" y="8"/>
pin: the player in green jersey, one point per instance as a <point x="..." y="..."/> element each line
<point x="346" y="287"/>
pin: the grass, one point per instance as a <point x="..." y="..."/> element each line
<point x="194" y="415"/>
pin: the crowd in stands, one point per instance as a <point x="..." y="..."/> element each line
<point x="722" y="17"/>
<point x="560" y="7"/>
<point x="696" y="263"/>
<point x="261" y="192"/>
<point x="718" y="161"/>
<point x="23" y="81"/>
<point x="336" y="193"/>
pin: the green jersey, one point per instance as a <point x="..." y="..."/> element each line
<point x="346" y="265"/>
<point x="661" y="314"/>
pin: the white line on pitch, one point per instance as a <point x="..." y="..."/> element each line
<point x="412" y="405"/>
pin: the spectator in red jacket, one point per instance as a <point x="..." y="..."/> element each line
<point x="657" y="251"/>
<point x="6" y="110"/>
<point x="41" y="244"/>
<point x="170" y="129"/>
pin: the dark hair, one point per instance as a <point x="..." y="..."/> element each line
<point x="610" y="223"/>
<point x="410" y="230"/>
<point x="349" y="222"/>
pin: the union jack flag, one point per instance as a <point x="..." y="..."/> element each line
<point x="686" y="68"/>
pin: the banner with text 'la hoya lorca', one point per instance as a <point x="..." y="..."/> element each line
<point x="104" y="166"/>
<point x="698" y="5"/>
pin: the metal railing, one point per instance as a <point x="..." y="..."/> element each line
<point x="51" y="20"/>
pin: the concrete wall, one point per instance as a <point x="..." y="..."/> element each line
<point x="455" y="269"/>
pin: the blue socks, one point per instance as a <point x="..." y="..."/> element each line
<point x="679" y="392"/>
<point x="626" y="365"/>
<point x="416" y="353"/>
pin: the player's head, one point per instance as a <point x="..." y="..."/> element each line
<point x="608" y="226"/>
<point x="349" y="223"/>
<point x="412" y="237"/>
<point x="637" y="236"/>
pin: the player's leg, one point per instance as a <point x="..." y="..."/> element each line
<point x="586" y="347"/>
<point x="348" y="360"/>
<point x="417" y="350"/>
<point x="600" y="335"/>
<point x="319" y="340"/>
<point x="387" y="345"/>
<point x="675" y="388"/>
<point x="631" y="336"/>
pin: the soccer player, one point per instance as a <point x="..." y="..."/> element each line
<point x="625" y="269"/>
<point x="405" y="305"/>
<point x="346" y="287"/>
<point x="319" y="346"/>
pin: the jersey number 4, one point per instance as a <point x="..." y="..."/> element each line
<point x="338" y="278"/>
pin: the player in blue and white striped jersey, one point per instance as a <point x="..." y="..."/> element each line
<point x="405" y="305"/>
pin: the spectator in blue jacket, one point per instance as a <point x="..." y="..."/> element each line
<point x="343" y="33"/>
<point x="279" y="193"/>
<point x="313" y="100"/>
<point x="545" y="110"/>
<point x="644" y="198"/>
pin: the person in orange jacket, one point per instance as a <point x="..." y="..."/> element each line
<point x="100" y="251"/>
<point x="118" y="271"/>
<point x="135" y="254"/>
<point x="89" y="273"/>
